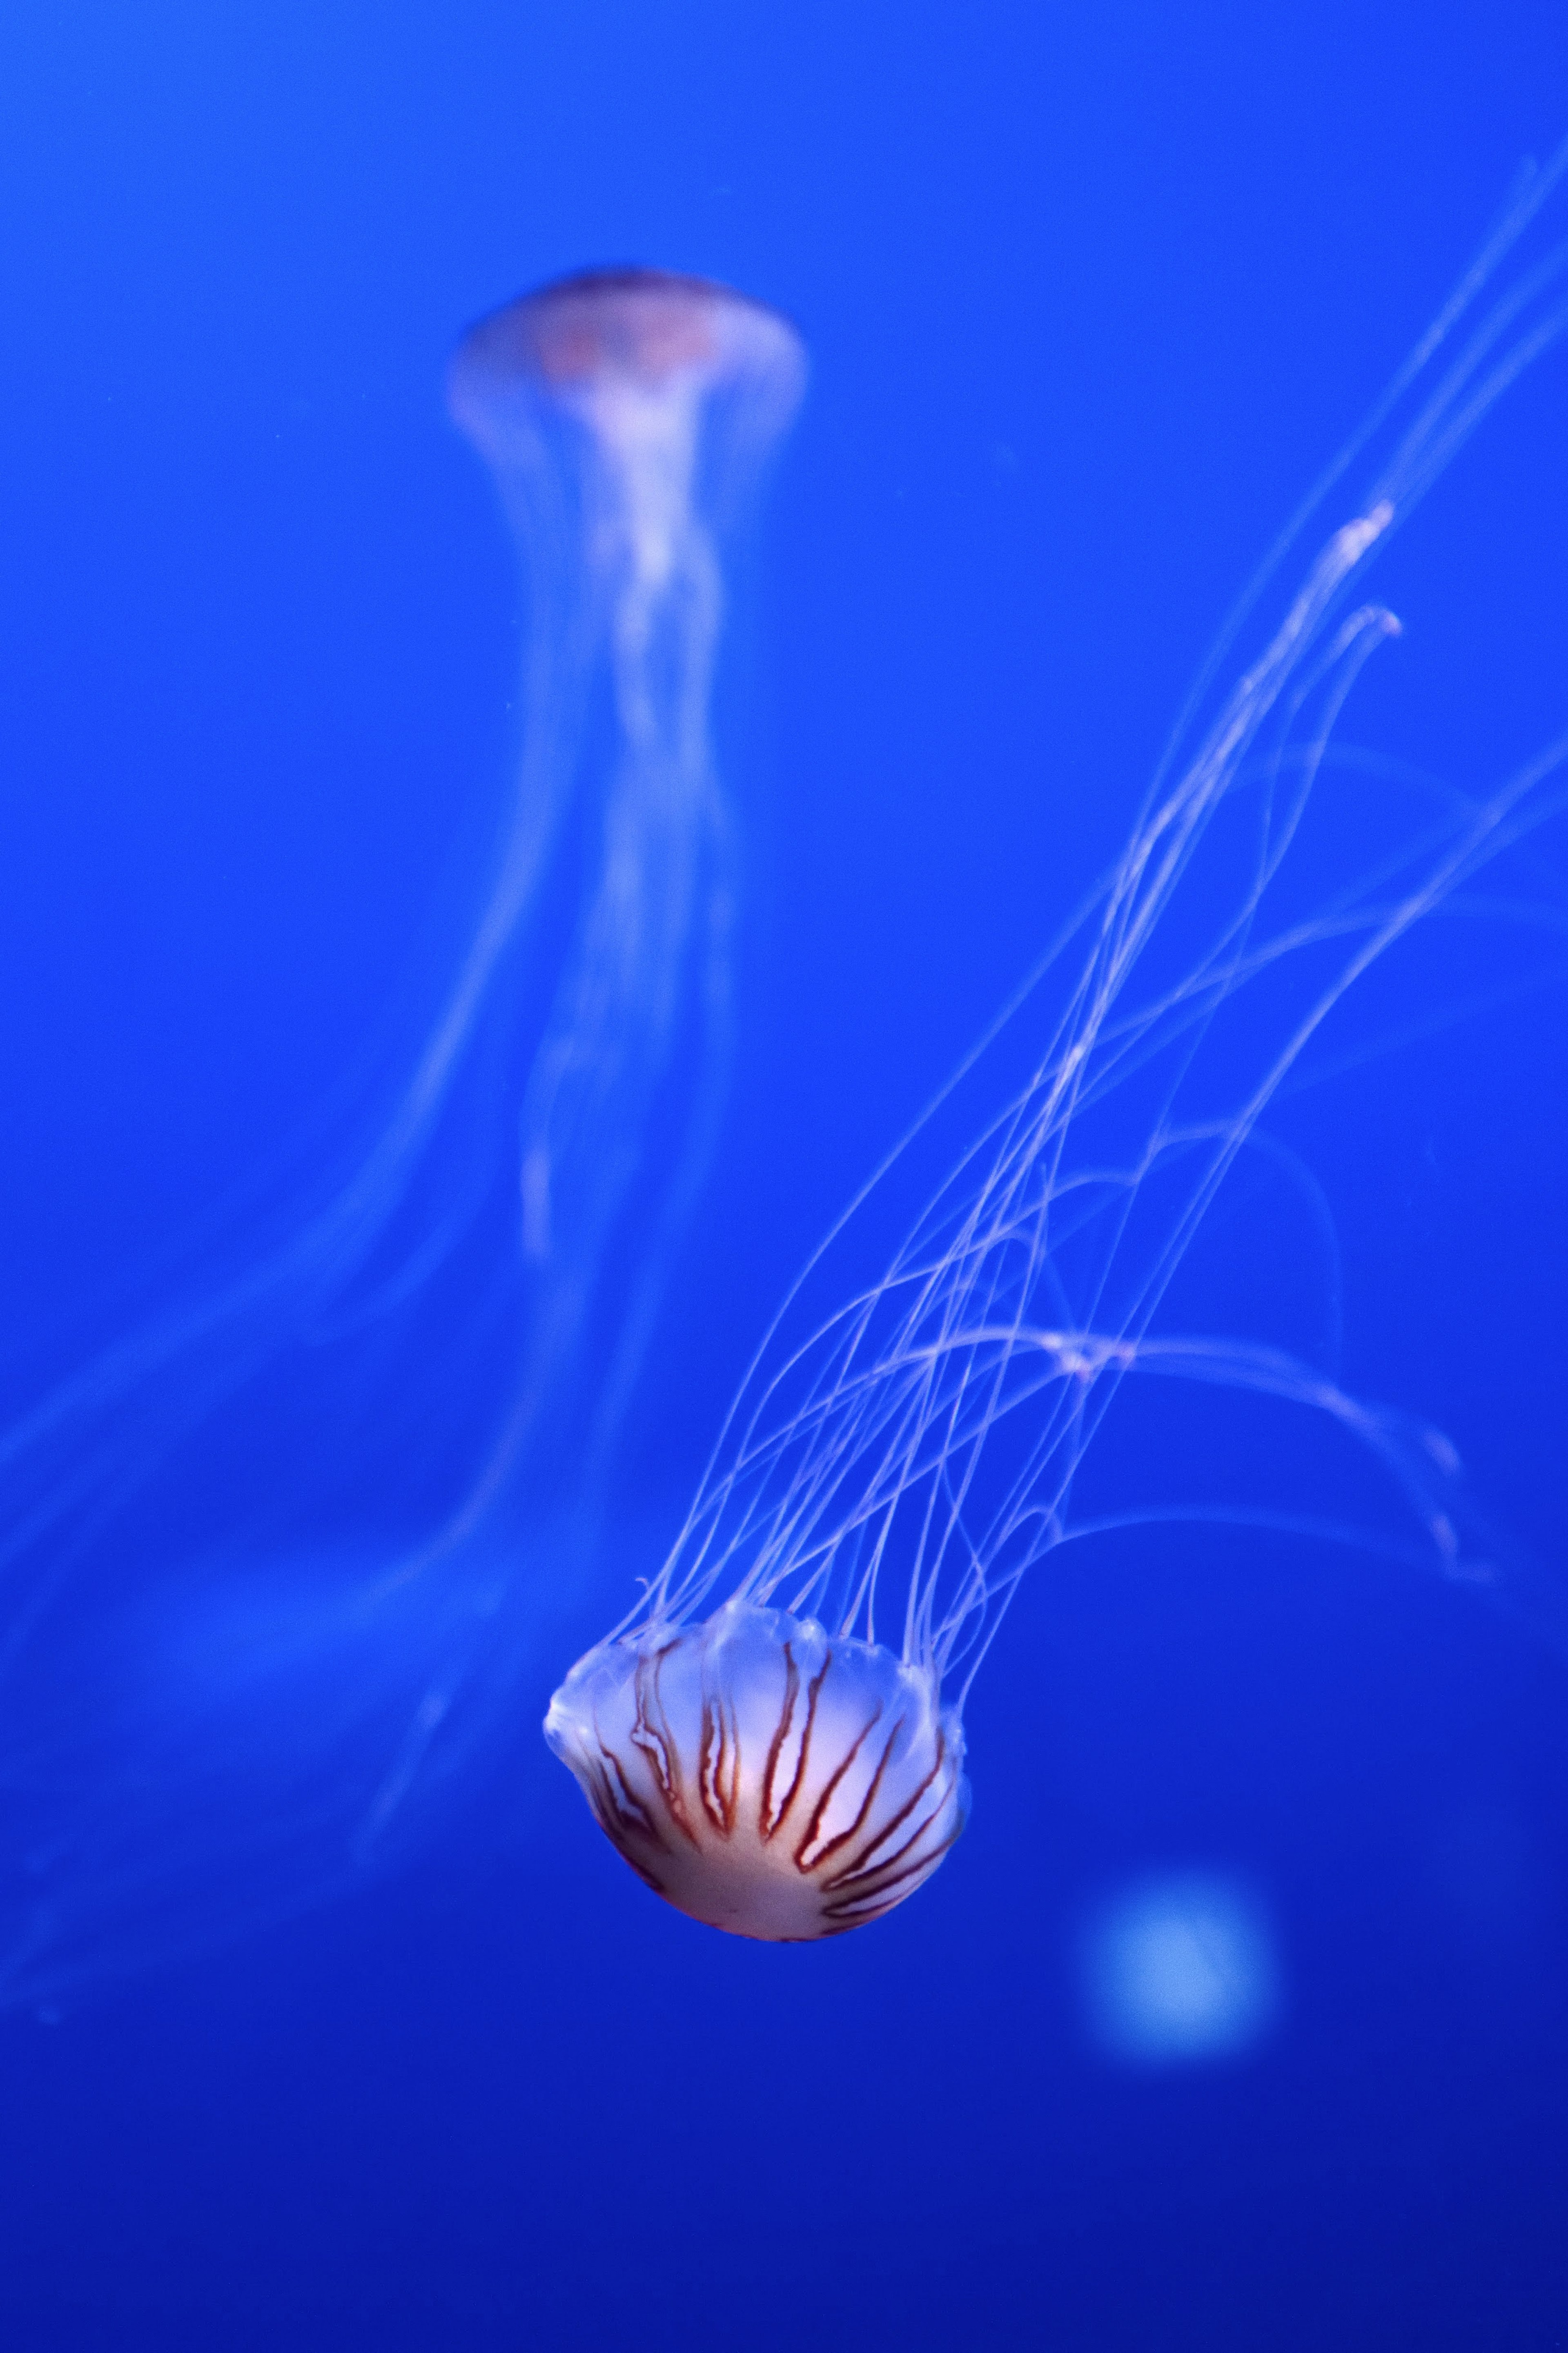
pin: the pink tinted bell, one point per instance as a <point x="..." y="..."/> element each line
<point x="762" y="1775"/>
<point x="613" y="346"/>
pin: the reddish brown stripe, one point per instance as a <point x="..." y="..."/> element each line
<point x="812" y="1693"/>
<point x="862" y="1861"/>
<point x="916" y="1873"/>
<point x="770" y="1822"/>
<point x="719" y="1766"/>
<point x="814" y="1825"/>
<point x="844" y="1836"/>
<point x="655" y="1741"/>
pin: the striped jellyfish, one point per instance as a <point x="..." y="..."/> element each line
<point x="269" y="1566"/>
<point x="774" y="1737"/>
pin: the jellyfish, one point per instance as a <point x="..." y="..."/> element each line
<point x="774" y="1737"/>
<point x="268" y="1566"/>
<point x="626" y="414"/>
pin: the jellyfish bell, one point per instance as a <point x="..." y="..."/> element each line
<point x="676" y="388"/>
<point x="761" y="1774"/>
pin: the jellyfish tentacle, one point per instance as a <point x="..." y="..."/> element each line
<point x="932" y="1425"/>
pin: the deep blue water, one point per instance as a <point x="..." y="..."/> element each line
<point x="1091" y="297"/>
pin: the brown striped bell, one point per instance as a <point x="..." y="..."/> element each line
<point x="762" y="1775"/>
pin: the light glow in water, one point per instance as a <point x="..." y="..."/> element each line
<point x="1179" y="1971"/>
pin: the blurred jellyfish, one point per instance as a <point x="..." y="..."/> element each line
<point x="271" y="1566"/>
<point x="626" y="414"/>
<point x="774" y="1737"/>
<point x="1179" y="1971"/>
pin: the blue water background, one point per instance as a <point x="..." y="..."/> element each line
<point x="1090" y="296"/>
